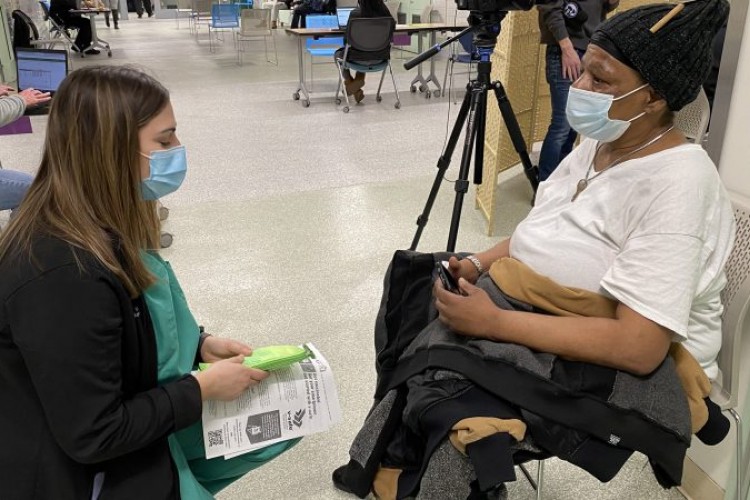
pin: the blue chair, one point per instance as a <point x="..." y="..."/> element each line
<point x="224" y="16"/>
<point x="243" y="4"/>
<point x="323" y="47"/>
<point x="468" y="56"/>
<point x="367" y="50"/>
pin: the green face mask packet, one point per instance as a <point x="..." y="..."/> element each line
<point x="272" y="357"/>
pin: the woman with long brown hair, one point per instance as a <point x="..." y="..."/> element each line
<point x="96" y="339"/>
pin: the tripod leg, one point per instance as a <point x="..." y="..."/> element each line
<point x="481" y="123"/>
<point x="462" y="183"/>
<point x="532" y="172"/>
<point x="442" y="165"/>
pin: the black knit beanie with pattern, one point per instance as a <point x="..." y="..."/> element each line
<point x="676" y="59"/>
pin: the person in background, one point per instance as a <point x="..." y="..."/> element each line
<point x="97" y="393"/>
<point x="304" y="7"/>
<point x="104" y="5"/>
<point x="114" y="6"/>
<point x="60" y="12"/>
<point x="367" y="9"/>
<point x="14" y="184"/>
<point x="709" y="86"/>
<point x="140" y="5"/>
<point x="566" y="27"/>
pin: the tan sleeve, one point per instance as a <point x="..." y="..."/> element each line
<point x="694" y="382"/>
<point x="470" y="430"/>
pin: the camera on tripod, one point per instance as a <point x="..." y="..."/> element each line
<point x="496" y="5"/>
<point x="485" y="17"/>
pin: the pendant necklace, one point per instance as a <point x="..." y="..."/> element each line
<point x="584" y="183"/>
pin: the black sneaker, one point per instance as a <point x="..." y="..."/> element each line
<point x="91" y="51"/>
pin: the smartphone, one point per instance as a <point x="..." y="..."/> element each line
<point x="449" y="282"/>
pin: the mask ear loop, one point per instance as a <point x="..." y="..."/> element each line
<point x="631" y="92"/>
<point x="150" y="157"/>
<point x="643" y="113"/>
<point x="149" y="167"/>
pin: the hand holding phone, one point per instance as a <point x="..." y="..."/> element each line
<point x="446" y="278"/>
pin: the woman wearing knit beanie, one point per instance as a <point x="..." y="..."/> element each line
<point x="621" y="258"/>
<point x="635" y="213"/>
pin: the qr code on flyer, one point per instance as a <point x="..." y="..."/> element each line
<point x="307" y="366"/>
<point x="215" y="438"/>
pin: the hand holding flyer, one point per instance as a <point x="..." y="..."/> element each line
<point x="292" y="402"/>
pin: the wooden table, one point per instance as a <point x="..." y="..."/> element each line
<point x="418" y="83"/>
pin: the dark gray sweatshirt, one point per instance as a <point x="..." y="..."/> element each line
<point x="574" y="19"/>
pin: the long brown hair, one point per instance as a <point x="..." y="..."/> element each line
<point x="87" y="190"/>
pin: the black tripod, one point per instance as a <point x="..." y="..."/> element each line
<point x="486" y="28"/>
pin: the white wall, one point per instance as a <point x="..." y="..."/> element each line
<point x="728" y="145"/>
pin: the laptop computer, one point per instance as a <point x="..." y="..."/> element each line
<point x="343" y="16"/>
<point x="41" y="69"/>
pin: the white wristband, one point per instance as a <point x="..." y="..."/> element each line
<point x="474" y="260"/>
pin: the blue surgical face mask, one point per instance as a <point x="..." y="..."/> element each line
<point x="167" y="171"/>
<point x="588" y="114"/>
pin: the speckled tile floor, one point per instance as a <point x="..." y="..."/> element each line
<point x="288" y="219"/>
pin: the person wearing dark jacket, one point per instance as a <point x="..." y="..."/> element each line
<point x="709" y="86"/>
<point x="96" y="340"/>
<point x="141" y="5"/>
<point x="603" y="230"/>
<point x="303" y="8"/>
<point x="565" y="27"/>
<point x="59" y="10"/>
<point x="366" y="9"/>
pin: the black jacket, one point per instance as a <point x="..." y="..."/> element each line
<point x="589" y="415"/>
<point x="78" y="384"/>
<point x="574" y="19"/>
<point x="60" y="10"/>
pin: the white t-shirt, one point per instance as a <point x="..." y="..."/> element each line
<point x="653" y="233"/>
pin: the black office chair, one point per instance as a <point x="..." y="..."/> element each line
<point x="26" y="34"/>
<point x="24" y="30"/>
<point x="368" y="50"/>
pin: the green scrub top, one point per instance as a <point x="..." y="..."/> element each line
<point x="177" y="342"/>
